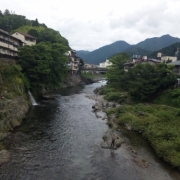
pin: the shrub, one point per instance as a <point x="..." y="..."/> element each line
<point x="106" y="90"/>
<point x="112" y="96"/>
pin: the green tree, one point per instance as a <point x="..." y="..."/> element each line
<point x="35" y="23"/>
<point x="33" y="32"/>
<point x="116" y="70"/>
<point x="1" y="14"/>
<point x="6" y="12"/>
<point x="145" y="81"/>
<point x="44" y="65"/>
<point x="50" y="35"/>
<point x="81" y="62"/>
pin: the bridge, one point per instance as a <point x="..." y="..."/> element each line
<point x="95" y="69"/>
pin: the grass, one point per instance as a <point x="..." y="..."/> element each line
<point x="159" y="124"/>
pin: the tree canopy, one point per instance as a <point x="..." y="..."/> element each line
<point x="143" y="82"/>
<point x="44" y="64"/>
<point x="11" y="21"/>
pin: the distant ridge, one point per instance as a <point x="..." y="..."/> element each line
<point x="145" y="47"/>
<point x="156" y="43"/>
<point x="100" y="55"/>
<point x="82" y="53"/>
<point x="168" y="51"/>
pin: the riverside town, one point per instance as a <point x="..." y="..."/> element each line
<point x="112" y="113"/>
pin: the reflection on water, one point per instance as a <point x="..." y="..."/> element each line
<point x="60" y="140"/>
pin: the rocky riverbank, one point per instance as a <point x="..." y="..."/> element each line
<point x="99" y="108"/>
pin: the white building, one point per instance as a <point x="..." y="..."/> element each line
<point x="9" y="45"/>
<point x="105" y="64"/>
<point x="25" y="38"/>
<point x="164" y="58"/>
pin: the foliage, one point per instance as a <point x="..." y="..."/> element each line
<point x="11" y="22"/>
<point x="50" y="35"/>
<point x="159" y="124"/>
<point x="112" y="96"/>
<point x="170" y="97"/>
<point x="43" y="34"/>
<point x="106" y="90"/>
<point x="11" y="79"/>
<point x="81" y="62"/>
<point x="87" y="75"/>
<point x="30" y="28"/>
<point x="116" y="70"/>
<point x="143" y="82"/>
<point x="44" y="65"/>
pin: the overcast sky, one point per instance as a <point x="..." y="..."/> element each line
<point x="91" y="24"/>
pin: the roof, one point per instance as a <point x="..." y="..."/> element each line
<point x="27" y="35"/>
<point x="5" y="32"/>
<point x="175" y="63"/>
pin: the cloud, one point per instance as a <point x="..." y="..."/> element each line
<point x="88" y="25"/>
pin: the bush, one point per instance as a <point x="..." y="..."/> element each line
<point x="112" y="96"/>
<point x="106" y="90"/>
<point x="170" y="97"/>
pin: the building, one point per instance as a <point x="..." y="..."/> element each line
<point x="25" y="38"/>
<point x="165" y="58"/>
<point x="105" y="64"/>
<point x="140" y="61"/>
<point x="9" y="45"/>
<point x="74" y="61"/>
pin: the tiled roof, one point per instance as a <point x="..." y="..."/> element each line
<point x="27" y="35"/>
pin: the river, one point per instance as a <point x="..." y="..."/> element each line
<point x="61" y="140"/>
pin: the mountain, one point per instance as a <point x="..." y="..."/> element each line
<point x="133" y="49"/>
<point x="100" y="55"/>
<point x="82" y="53"/>
<point x="169" y="51"/>
<point x="145" y="47"/>
<point x="156" y="43"/>
<point x="142" y="48"/>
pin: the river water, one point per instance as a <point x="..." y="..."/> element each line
<point x="61" y="140"/>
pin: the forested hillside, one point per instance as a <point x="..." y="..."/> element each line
<point x="44" y="65"/>
<point x="168" y="51"/>
<point x="12" y="22"/>
<point x="156" y="43"/>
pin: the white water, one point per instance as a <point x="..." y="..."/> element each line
<point x="33" y="101"/>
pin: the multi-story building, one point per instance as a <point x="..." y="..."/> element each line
<point x="25" y="38"/>
<point x="74" y="61"/>
<point x="9" y="45"/>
